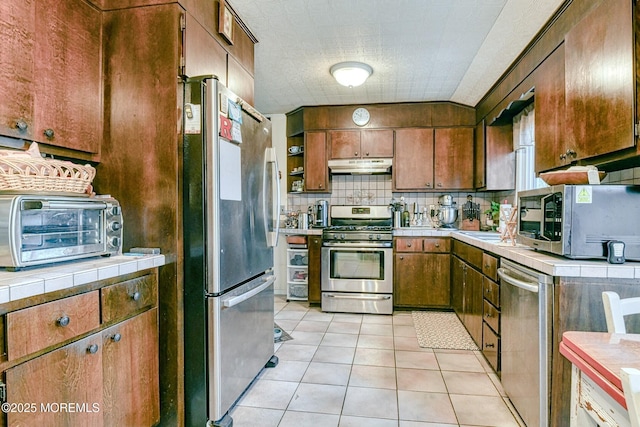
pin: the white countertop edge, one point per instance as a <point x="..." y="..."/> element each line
<point x="546" y="263"/>
<point x="15" y="285"/>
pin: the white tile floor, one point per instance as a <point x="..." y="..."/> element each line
<point x="347" y="370"/>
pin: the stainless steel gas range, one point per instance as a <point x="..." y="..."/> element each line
<point x="357" y="260"/>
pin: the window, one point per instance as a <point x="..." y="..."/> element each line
<point x="524" y="146"/>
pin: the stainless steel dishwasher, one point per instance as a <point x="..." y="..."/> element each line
<point x="526" y="298"/>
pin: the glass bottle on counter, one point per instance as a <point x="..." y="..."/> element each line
<point x="406" y="219"/>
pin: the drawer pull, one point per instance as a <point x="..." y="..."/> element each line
<point x="63" y="321"/>
<point x="92" y="349"/>
<point x="116" y="337"/>
<point x="409" y="244"/>
<point x="489" y="345"/>
<point x="437" y="245"/>
<point x="488" y="315"/>
<point x="135" y="296"/>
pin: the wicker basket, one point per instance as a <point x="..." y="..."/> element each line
<point x="37" y="174"/>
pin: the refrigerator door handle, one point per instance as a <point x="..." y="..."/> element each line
<point x="271" y="159"/>
<point x="230" y="302"/>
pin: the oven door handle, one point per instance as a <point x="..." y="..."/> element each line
<point x="359" y="297"/>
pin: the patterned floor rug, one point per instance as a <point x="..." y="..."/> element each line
<point x="284" y="337"/>
<point x="438" y="329"/>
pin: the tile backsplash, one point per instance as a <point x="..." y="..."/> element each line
<point x="376" y="190"/>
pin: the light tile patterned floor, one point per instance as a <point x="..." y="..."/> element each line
<point x="351" y="370"/>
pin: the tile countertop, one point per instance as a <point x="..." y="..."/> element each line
<point x="546" y="263"/>
<point x="301" y="231"/>
<point x="15" y="285"/>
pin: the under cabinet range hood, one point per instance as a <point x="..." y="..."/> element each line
<point x="360" y="166"/>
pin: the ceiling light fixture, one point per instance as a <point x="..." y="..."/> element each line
<point x="351" y="74"/>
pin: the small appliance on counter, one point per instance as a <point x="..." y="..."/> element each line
<point x="579" y="221"/>
<point x="321" y="214"/>
<point x="447" y="212"/>
<point x="41" y="229"/>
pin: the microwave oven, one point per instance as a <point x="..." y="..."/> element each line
<point x="37" y="230"/>
<point x="578" y="221"/>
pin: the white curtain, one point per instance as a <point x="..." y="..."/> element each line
<point x="524" y="137"/>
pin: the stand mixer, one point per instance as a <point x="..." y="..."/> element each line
<point x="447" y="212"/>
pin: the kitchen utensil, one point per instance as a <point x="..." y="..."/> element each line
<point x="321" y="213"/>
<point x="470" y="215"/>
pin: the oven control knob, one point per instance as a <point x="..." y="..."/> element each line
<point x="370" y="236"/>
<point x="378" y="237"/>
<point x="115" y="242"/>
<point x="115" y="210"/>
<point x="115" y="226"/>
<point x="342" y="236"/>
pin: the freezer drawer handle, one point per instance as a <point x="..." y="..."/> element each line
<point x="527" y="286"/>
<point x="228" y="303"/>
<point x="375" y="298"/>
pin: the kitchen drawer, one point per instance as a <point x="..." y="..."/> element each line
<point x="491" y="316"/>
<point x="124" y="299"/>
<point x="36" y="328"/>
<point x="468" y="253"/>
<point x="490" y="266"/>
<point x="437" y="245"/>
<point x="491" y="346"/>
<point x="491" y="291"/>
<point x="408" y="245"/>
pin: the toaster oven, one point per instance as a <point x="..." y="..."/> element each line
<point x="36" y="230"/>
<point x="578" y="221"/>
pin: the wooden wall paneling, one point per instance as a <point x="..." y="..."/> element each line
<point x="203" y="54"/>
<point x="17" y="38"/>
<point x="142" y="162"/>
<point x="239" y="80"/>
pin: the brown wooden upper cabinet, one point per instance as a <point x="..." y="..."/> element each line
<point x="600" y="82"/>
<point x="52" y="92"/>
<point x="551" y="145"/>
<point x="429" y="159"/>
<point x="413" y="159"/>
<point x="356" y="144"/>
<point x="453" y="158"/>
<point x="316" y="172"/>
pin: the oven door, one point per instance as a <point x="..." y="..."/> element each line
<point x="357" y="269"/>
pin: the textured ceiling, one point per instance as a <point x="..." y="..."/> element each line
<point x="420" y="50"/>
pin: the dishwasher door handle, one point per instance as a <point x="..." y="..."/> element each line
<point x="527" y="286"/>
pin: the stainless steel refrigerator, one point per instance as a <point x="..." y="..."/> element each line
<point x="231" y="202"/>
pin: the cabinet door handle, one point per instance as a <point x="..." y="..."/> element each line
<point x="489" y="345"/>
<point x="116" y="337"/>
<point x="488" y="315"/>
<point x="439" y="184"/>
<point x="401" y="257"/>
<point x="356" y="153"/>
<point x="571" y="153"/>
<point x="135" y="296"/>
<point x="563" y="156"/>
<point x="63" y="321"/>
<point x="437" y="245"/>
<point x="92" y="349"/>
<point x="48" y="133"/>
<point x="367" y="153"/>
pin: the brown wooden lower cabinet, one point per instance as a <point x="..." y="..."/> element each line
<point x="71" y="375"/>
<point x="108" y="378"/>
<point x="422" y="272"/>
<point x="466" y="287"/>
